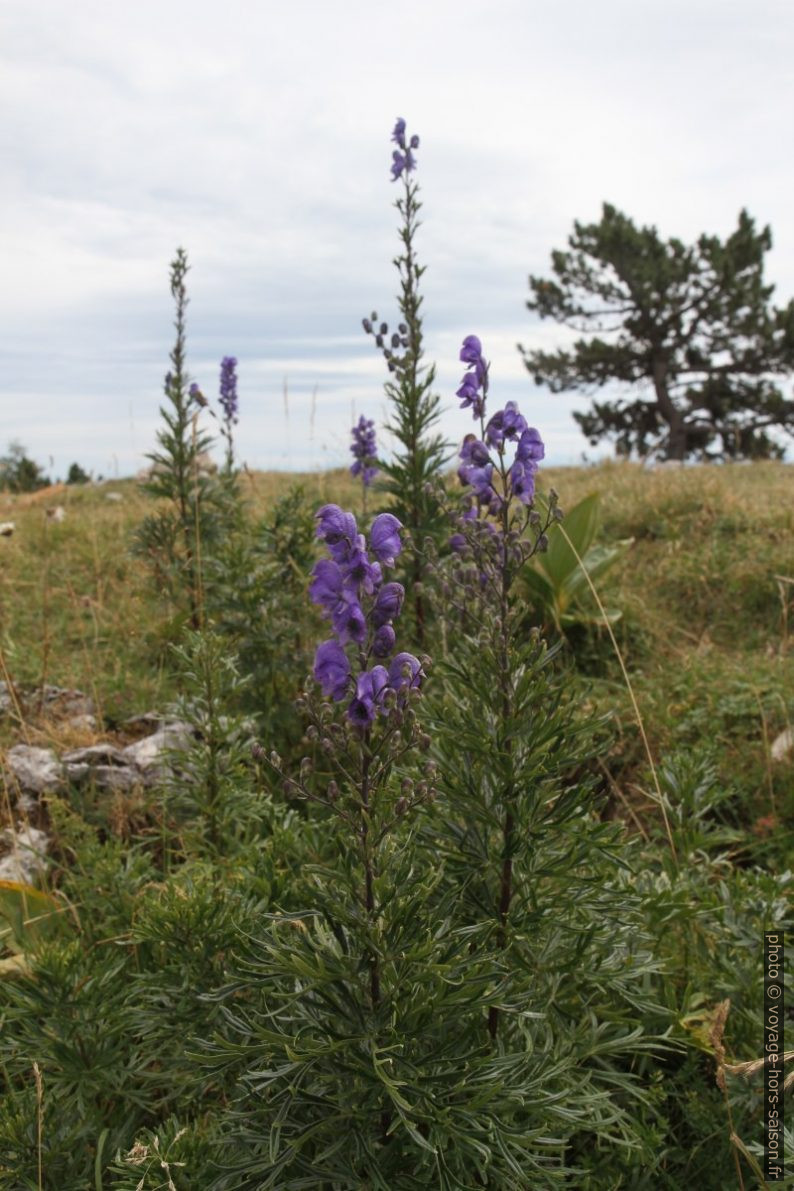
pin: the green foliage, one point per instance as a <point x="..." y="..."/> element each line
<point x="212" y="794"/>
<point x="18" y="473"/>
<point x="256" y="599"/>
<point x="693" y="324"/>
<point x="555" y="580"/>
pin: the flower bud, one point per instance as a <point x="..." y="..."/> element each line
<point x="275" y="760"/>
<point x="333" y="791"/>
<point x="374" y="316"/>
<point x="424" y="742"/>
<point x="534" y="517"/>
<point x="384" y="328"/>
<point x="395" y="340"/>
<point x="257" y="752"/>
<point x="402" y="328"/>
<point x="543" y="543"/>
<point x="311" y="732"/>
<point x="306" y="767"/>
<point x="558" y="514"/>
<point x="291" y="789"/>
<point x="379" y="340"/>
<point x="326" y="745"/>
<point x="430" y="766"/>
<point x="367" y="325"/>
<point x="400" y="807"/>
<point x="407" y="786"/>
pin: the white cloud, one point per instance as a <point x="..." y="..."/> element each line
<point x="257" y="136"/>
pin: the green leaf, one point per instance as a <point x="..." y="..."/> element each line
<point x="580" y="525"/>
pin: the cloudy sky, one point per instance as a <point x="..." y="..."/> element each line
<point x="256" y="135"/>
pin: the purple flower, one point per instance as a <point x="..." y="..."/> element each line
<point x="522" y="481"/>
<point x="474" y="452"/>
<point x="349" y="621"/>
<point x="530" y="447"/>
<point x="414" y="142"/>
<point x="338" y="530"/>
<point x="228" y="388"/>
<point x="388" y="603"/>
<point x="457" y="543"/>
<point x="398" y="133"/>
<point x="506" y="423"/>
<point x="370" y="689"/>
<point x="384" y="538"/>
<point x="365" y="451"/>
<point x="359" y="570"/>
<point x="332" y="669"/>
<point x="384" y="641"/>
<point x="327" y="587"/>
<point x="404" y="671"/>
<point x="397" y="167"/>
<point x="471" y="352"/>
<point x="480" y="479"/>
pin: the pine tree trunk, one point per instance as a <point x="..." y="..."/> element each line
<point x="676" y="447"/>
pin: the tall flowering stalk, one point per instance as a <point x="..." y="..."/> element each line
<point x="172" y="539"/>
<point x="364" y="449"/>
<point x="500" y="530"/>
<point x="418" y="462"/>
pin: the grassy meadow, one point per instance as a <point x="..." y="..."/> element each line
<point x="706" y="594"/>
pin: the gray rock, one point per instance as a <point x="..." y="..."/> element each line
<point x="95" y="754"/>
<point x="118" y="778"/>
<point x="26" y="849"/>
<point x="83" y="723"/>
<point x="150" y="754"/>
<point x="35" y="770"/>
<point x="782" y="745"/>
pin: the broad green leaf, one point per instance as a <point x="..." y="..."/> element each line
<point x="596" y="562"/>
<point x="580" y="524"/>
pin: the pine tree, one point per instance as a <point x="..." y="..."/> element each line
<point x="690" y="328"/>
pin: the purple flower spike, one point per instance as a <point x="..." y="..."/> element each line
<point x="332" y="669"/>
<point x="365" y="451"/>
<point x="228" y="388"/>
<point x="402" y="157"/>
<point x="385" y="538"/>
